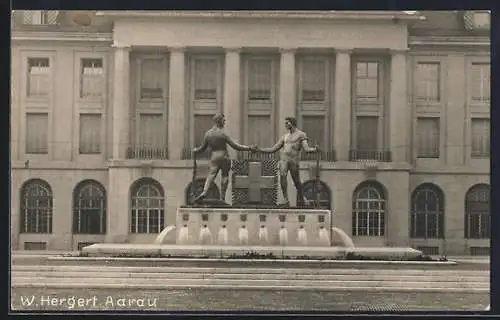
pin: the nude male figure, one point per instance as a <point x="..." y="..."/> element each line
<point x="292" y="144"/>
<point x="216" y="140"/>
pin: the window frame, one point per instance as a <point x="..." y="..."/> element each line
<point x="381" y="214"/>
<point x="135" y="188"/>
<point x="26" y="134"/>
<point x="77" y="209"/>
<point x="480" y="155"/>
<point x="25" y="222"/>
<point x="440" y="215"/>
<point x="202" y="107"/>
<point x="268" y="108"/>
<point x="439" y="152"/>
<point x="101" y="133"/>
<point x="143" y="106"/>
<point x="379" y="108"/>
<point x="317" y="108"/>
<point x="467" y="214"/>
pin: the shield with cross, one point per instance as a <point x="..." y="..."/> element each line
<point x="255" y="182"/>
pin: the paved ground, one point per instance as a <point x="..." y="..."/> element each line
<point x="209" y="299"/>
<point x="109" y="299"/>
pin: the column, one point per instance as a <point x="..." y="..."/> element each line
<point x="287" y="105"/>
<point x="176" y="104"/>
<point x="455" y="115"/>
<point x="287" y="98"/>
<point x="399" y="108"/>
<point x="121" y="100"/>
<point x="343" y="108"/>
<point x="232" y="95"/>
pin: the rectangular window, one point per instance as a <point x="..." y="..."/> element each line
<point x="314" y="82"/>
<point x="151" y="131"/>
<point x="40" y="17"/>
<point x="90" y="133"/>
<point x="428" y="137"/>
<point x="259" y="79"/>
<point x="202" y="122"/>
<point x="427" y="82"/>
<point x="480" y="138"/>
<point x="480" y="82"/>
<point x="38" y="77"/>
<point x="314" y="127"/>
<point x="37" y="127"/>
<point x="206" y="79"/>
<point x="367" y="81"/>
<point x="91" y="79"/>
<point x="152" y="79"/>
<point x="367" y="133"/>
<point x="260" y="132"/>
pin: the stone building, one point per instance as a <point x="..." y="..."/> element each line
<point x="104" y="116"/>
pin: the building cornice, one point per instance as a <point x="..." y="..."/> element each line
<point x="62" y="36"/>
<point x="449" y="41"/>
<point x="329" y="15"/>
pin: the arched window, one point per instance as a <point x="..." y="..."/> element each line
<point x="195" y="188"/>
<point x="427" y="212"/>
<point x="89" y="208"/>
<point x="36" y="207"/>
<point x="318" y="189"/>
<point x="368" y="216"/>
<point x="477" y="212"/>
<point x="148" y="203"/>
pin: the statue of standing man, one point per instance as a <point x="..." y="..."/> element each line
<point x="216" y="140"/>
<point x="292" y="144"/>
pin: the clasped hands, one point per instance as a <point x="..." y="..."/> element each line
<point x="254" y="148"/>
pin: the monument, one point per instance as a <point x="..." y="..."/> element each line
<point x="254" y="221"/>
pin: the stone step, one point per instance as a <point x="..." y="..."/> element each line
<point x="248" y="276"/>
<point x="238" y="283"/>
<point x="249" y="270"/>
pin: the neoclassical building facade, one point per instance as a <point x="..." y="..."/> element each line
<point x="104" y="116"/>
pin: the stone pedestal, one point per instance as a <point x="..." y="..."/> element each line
<point x="302" y="226"/>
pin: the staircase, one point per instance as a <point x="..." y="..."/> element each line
<point x="167" y="277"/>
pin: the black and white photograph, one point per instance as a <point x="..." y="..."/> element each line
<point x="250" y="161"/>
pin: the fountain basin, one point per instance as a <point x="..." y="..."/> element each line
<point x="226" y="251"/>
<point x="245" y="226"/>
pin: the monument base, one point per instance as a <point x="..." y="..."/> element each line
<point x="221" y="252"/>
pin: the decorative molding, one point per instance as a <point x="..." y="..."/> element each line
<point x="177" y="49"/>
<point x="62" y="36"/>
<point x="330" y="15"/>
<point x="349" y="51"/>
<point x="121" y="46"/>
<point x="232" y="49"/>
<point x="449" y="40"/>
<point x="288" y="50"/>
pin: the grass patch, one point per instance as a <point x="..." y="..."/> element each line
<point x="253" y="255"/>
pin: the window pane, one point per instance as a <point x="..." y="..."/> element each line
<point x="91" y="78"/>
<point x="151" y="131"/>
<point x="37" y="126"/>
<point x="427" y="82"/>
<point x="428" y="137"/>
<point x="480" y="82"/>
<point x="206" y="79"/>
<point x="313" y="80"/>
<point x="480" y="140"/>
<point x="367" y="133"/>
<point x="260" y="131"/>
<point x="259" y="79"/>
<point x="314" y="127"/>
<point x="201" y="124"/>
<point x="367" y="81"/>
<point x="36" y="208"/>
<point x="152" y="78"/>
<point x="38" y="77"/>
<point x="90" y="133"/>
